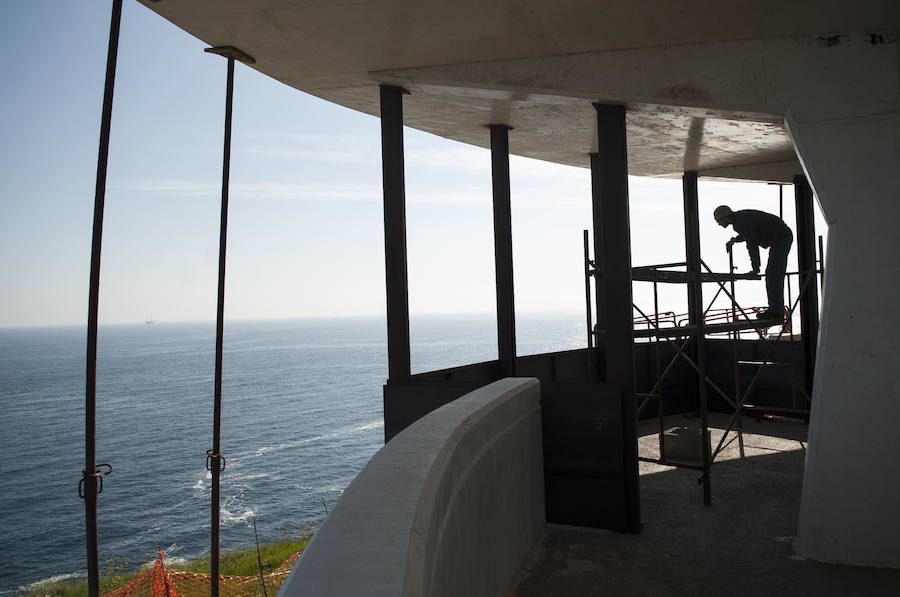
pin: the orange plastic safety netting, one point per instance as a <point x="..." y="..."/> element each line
<point x="160" y="582"/>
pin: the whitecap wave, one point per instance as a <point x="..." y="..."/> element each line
<point x="174" y="548"/>
<point x="240" y="457"/>
<point x="174" y="561"/>
<point x="229" y="516"/>
<point x="248" y="477"/>
<point x="51" y="579"/>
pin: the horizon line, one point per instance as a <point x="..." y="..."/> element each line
<point x="4" y="327"/>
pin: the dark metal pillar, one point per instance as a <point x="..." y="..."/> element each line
<point x="695" y="309"/>
<point x="503" y="255"/>
<point x="91" y="483"/>
<point x="806" y="260"/>
<point x="612" y="262"/>
<point x="395" y="232"/>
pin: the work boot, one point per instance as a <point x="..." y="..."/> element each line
<point x="770" y="316"/>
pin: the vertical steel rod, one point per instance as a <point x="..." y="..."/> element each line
<point x="806" y="262"/>
<point x="259" y="563"/>
<point x="503" y="255"/>
<point x="734" y="338"/>
<point x="612" y="262"/>
<point x="821" y="265"/>
<point x="660" y="411"/>
<point x="695" y="308"/>
<point x="395" y="270"/>
<point x="787" y="276"/>
<point x="781" y="201"/>
<point x="599" y="261"/>
<point x="790" y="301"/>
<point x="216" y="461"/>
<point x="587" y="290"/>
<point x="90" y="476"/>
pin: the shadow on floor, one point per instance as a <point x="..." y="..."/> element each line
<point x="740" y="545"/>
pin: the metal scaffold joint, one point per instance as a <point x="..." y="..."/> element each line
<point x="101" y="470"/>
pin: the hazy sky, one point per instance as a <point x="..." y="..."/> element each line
<point x="305" y="234"/>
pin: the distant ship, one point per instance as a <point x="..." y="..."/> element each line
<point x="150" y="321"/>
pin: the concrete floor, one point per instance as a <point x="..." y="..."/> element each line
<point x="740" y="545"/>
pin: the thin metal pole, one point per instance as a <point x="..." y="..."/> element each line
<point x="734" y="344"/>
<point x="259" y="560"/>
<point x="661" y="410"/>
<point x="216" y="462"/>
<point x="790" y="301"/>
<point x="821" y="265"/>
<point x="587" y="289"/>
<point x="787" y="276"/>
<point x="781" y="201"/>
<point x="503" y="255"/>
<point x="91" y="487"/>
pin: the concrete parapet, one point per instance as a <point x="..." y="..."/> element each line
<point x="450" y="506"/>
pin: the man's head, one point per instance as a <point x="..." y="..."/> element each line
<point x="723" y="215"/>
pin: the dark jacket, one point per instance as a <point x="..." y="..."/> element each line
<point x="758" y="229"/>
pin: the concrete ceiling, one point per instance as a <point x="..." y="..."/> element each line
<point x="700" y="78"/>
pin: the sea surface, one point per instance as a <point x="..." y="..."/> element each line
<point x="302" y="414"/>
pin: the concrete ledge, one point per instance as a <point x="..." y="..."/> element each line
<point x="450" y="506"/>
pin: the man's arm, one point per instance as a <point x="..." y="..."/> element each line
<point x="753" y="249"/>
<point x="744" y="225"/>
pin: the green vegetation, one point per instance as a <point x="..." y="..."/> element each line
<point x="240" y="562"/>
<point x="243" y="562"/>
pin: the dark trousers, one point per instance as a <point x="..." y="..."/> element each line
<point x="775" y="270"/>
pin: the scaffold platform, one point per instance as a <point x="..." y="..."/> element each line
<point x="664" y="273"/>
<point x="713" y="328"/>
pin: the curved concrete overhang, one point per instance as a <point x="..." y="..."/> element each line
<point x="704" y="82"/>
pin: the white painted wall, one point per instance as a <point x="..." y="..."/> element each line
<point x="450" y="506"/>
<point x="848" y="140"/>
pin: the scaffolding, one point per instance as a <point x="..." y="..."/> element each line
<point x="687" y="333"/>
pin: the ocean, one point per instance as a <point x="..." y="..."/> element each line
<point x="302" y="414"/>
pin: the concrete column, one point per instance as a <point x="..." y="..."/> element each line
<point x="850" y="153"/>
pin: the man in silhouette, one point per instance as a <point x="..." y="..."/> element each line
<point x="761" y="229"/>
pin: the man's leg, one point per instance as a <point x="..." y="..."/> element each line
<point x="775" y="270"/>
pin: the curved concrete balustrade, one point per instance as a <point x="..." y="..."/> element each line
<point x="450" y="506"/>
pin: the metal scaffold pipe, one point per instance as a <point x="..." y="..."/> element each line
<point x="91" y="482"/>
<point x="215" y="460"/>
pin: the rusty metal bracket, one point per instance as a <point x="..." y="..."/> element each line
<point x="232" y="52"/>
<point x="216" y="461"/>
<point x="98" y="474"/>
